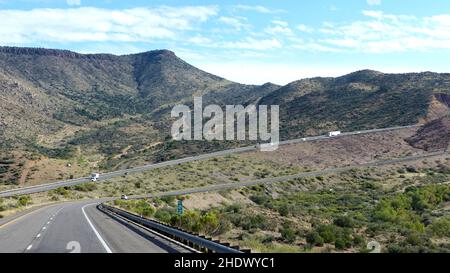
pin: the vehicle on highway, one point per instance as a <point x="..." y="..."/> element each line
<point x="124" y="197"/>
<point x="95" y="177"/>
<point x="334" y="133"/>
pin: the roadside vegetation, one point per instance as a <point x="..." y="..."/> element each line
<point x="339" y="213"/>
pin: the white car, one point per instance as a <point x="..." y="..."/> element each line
<point x="94" y="177"/>
<point x="124" y="197"/>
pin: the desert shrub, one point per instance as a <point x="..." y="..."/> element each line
<point x="85" y="187"/>
<point x="168" y="199"/>
<point x="60" y="191"/>
<point x="165" y="214"/>
<point x="344" y="221"/>
<point x="327" y="232"/>
<point x="251" y="222"/>
<point x="314" y="239"/>
<point x="260" y="199"/>
<point x="24" y="200"/>
<point x="288" y="234"/>
<point x="143" y="208"/>
<point x="440" y="227"/>
<point x="233" y="208"/>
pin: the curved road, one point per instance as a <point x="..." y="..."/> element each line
<point x="81" y="227"/>
<point x="78" y="227"/>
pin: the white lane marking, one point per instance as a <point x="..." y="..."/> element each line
<point x="39" y="235"/>
<point x="29" y="247"/>
<point x="44" y="228"/>
<point x="105" y="246"/>
<point x="48" y="222"/>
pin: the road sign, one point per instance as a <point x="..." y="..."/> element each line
<point x="180" y="207"/>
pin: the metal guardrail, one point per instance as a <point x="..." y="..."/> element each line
<point x="179" y="235"/>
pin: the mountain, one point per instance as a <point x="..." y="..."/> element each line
<point x="361" y="100"/>
<point x="42" y="90"/>
<point x="433" y="136"/>
<point x="102" y="111"/>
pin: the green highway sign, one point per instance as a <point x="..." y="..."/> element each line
<point x="180" y="207"/>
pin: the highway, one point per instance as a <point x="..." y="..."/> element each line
<point x="78" y="227"/>
<point x="109" y="175"/>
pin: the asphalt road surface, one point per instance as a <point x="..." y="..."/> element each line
<point x="78" y="227"/>
<point x="105" y="176"/>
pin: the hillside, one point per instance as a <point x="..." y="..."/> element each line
<point x="104" y="112"/>
<point x="56" y="87"/>
<point x="433" y="136"/>
<point x="361" y="100"/>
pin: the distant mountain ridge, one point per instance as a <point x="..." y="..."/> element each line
<point x="360" y="100"/>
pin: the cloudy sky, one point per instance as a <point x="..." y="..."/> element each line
<point x="246" y="41"/>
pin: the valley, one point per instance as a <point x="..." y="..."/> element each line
<point x="65" y="115"/>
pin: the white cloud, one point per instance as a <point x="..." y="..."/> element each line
<point x="234" y="22"/>
<point x="279" y="27"/>
<point x="387" y="33"/>
<point x="280" y="23"/>
<point x="200" y="40"/>
<point x="374" y="2"/>
<point x="305" y="28"/>
<point x="73" y="2"/>
<point x="253" y="44"/>
<point x="260" y="9"/>
<point x="89" y="24"/>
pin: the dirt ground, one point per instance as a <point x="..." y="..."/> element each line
<point x="343" y="151"/>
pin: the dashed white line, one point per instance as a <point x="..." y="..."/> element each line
<point x="105" y="246"/>
<point x="44" y="228"/>
<point x="39" y="235"/>
<point x="29" y="247"/>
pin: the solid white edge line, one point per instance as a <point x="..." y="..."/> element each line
<point x="105" y="246"/>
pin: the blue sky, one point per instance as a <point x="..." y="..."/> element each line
<point x="246" y="41"/>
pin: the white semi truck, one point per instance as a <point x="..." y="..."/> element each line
<point x="334" y="133"/>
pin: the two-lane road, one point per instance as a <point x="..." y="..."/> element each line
<point x="78" y="227"/>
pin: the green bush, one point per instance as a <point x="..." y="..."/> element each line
<point x="339" y="244"/>
<point x="260" y="199"/>
<point x="314" y="239"/>
<point x="24" y="201"/>
<point x="344" y="221"/>
<point x="85" y="187"/>
<point x="168" y="199"/>
<point x="440" y="227"/>
<point x="251" y="222"/>
<point x="328" y="233"/>
<point x="165" y="214"/>
<point x="288" y="234"/>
